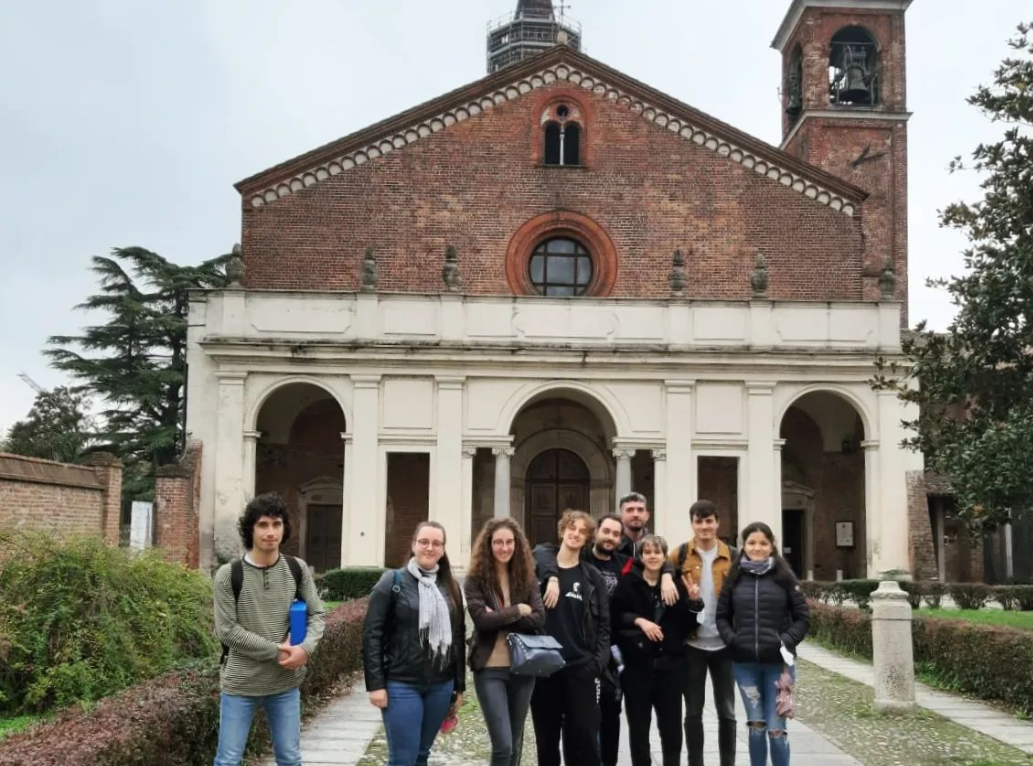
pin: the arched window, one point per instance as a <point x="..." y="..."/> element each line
<point x="853" y="68"/>
<point x="562" y="135"/>
<point x="560" y="267"/>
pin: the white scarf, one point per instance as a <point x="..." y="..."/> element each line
<point x="435" y="621"/>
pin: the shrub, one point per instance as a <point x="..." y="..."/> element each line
<point x="969" y="595"/>
<point x="80" y="620"/>
<point x="913" y="591"/>
<point x="1023" y="596"/>
<point x="859" y="591"/>
<point x="987" y="661"/>
<point x="933" y="593"/>
<point x="350" y="582"/>
<point x="173" y="720"/>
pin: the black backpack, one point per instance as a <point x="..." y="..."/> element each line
<point x="237" y="582"/>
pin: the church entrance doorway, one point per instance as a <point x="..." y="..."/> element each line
<point x="556" y="480"/>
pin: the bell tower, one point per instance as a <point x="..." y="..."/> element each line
<point x="532" y="28"/>
<point x="844" y="109"/>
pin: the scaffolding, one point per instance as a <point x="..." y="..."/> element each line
<point x="519" y="36"/>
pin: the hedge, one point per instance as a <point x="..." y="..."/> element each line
<point x="173" y="720"/>
<point x="349" y="582"/>
<point x="986" y="661"/>
<point x="965" y="595"/>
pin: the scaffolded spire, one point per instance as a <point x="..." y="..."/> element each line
<point x="531" y="29"/>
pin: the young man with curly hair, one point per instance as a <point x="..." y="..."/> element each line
<point x="261" y="668"/>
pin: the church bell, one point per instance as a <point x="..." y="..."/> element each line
<point x="855" y="77"/>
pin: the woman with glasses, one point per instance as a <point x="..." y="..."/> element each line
<point x="502" y="596"/>
<point x="413" y="648"/>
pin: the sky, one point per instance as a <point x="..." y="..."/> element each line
<point x="127" y="123"/>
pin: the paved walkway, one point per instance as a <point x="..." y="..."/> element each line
<point x="986" y="720"/>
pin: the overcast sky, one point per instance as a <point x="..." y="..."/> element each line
<point x="126" y="123"/>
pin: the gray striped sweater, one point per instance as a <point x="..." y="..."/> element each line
<point x="254" y="627"/>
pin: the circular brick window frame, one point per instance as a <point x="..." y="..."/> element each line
<point x="561" y="223"/>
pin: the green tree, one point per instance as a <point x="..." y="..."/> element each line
<point x="135" y="361"/>
<point x="975" y="381"/>
<point x="56" y="428"/>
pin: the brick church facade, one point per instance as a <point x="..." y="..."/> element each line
<point x="555" y="285"/>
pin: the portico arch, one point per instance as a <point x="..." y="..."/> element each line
<point x="597" y="400"/>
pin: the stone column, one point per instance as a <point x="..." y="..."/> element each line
<point x="892" y="654"/>
<point x="366" y="536"/>
<point x="346" y="500"/>
<point x="938" y="532"/>
<point x="764" y="495"/>
<point x="871" y="505"/>
<point x="447" y="474"/>
<point x="250" y="462"/>
<point x="229" y="462"/>
<point x="894" y="463"/>
<point x="623" y="485"/>
<point x="659" y="486"/>
<point x="467" y="532"/>
<point x="681" y="465"/>
<point x="502" y="480"/>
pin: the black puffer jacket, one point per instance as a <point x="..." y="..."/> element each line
<point x="391" y="647"/>
<point x="634" y="598"/>
<point x="756" y="614"/>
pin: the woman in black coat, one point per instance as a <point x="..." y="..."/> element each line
<point x="762" y="616"/>
<point x="651" y="637"/>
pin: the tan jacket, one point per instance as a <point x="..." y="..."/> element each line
<point x="693" y="563"/>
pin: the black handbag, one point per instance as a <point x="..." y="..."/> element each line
<point x="537" y="656"/>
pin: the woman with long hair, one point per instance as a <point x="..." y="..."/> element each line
<point x="651" y="637"/>
<point x="503" y="597"/>
<point x="762" y="616"/>
<point x="413" y="648"/>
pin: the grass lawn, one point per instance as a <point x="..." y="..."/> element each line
<point x="1022" y="620"/>
<point x="332" y="604"/>
<point x="16" y="724"/>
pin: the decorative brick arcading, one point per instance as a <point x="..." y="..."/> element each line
<point x="675" y="123"/>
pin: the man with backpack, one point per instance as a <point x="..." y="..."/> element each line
<point x="705" y="561"/>
<point x="261" y="667"/>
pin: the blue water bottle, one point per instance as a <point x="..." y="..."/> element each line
<point x="299" y="621"/>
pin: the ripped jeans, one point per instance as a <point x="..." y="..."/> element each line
<point x="756" y="683"/>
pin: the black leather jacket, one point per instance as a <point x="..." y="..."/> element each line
<point x="391" y="646"/>
<point x="596" y="623"/>
<point x="757" y="614"/>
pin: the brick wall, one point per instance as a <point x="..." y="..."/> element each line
<point x="719" y="483"/>
<point x="175" y="509"/>
<point x="59" y="498"/>
<point x="920" y="529"/>
<point x="474" y="184"/>
<point x="408" y="503"/>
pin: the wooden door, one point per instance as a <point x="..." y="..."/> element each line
<point x="556" y="480"/>
<point x="323" y="540"/>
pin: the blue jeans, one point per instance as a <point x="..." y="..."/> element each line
<point x="412" y="719"/>
<point x="283" y="714"/>
<point x="757" y="685"/>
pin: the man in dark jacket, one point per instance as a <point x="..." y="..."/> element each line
<point x="578" y="616"/>
<point x="634" y="518"/>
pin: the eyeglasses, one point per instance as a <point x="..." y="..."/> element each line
<point x="436" y="545"/>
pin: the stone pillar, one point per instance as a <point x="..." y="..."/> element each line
<point x="623" y="485"/>
<point x="367" y="520"/>
<point x="871" y="505"/>
<point x="175" y="520"/>
<point x="466" y="531"/>
<point x="764" y="495"/>
<point x="229" y="463"/>
<point x="346" y="499"/>
<point x="894" y="463"/>
<point x="250" y="462"/>
<point x="109" y="473"/>
<point x="1009" y="553"/>
<point x="892" y="652"/>
<point x="447" y="472"/>
<point x="938" y="532"/>
<point x="502" y="480"/>
<point x="681" y="464"/>
<point x="659" y="508"/>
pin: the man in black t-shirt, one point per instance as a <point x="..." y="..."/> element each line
<point x="578" y="616"/>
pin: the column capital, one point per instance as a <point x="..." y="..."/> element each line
<point x="623" y="453"/>
<point x="680" y="386"/>
<point x="252" y="436"/>
<point x="346" y="437"/>
<point x="469" y="452"/>
<point x="231" y="378"/>
<point x="659" y="454"/>
<point x="504" y="451"/>
<point x="760" y="388"/>
<point x="366" y="381"/>
<point x="449" y="382"/>
<point x="870" y="445"/>
<point x="779" y="444"/>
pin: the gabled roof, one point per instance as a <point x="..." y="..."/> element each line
<point x="558" y="64"/>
